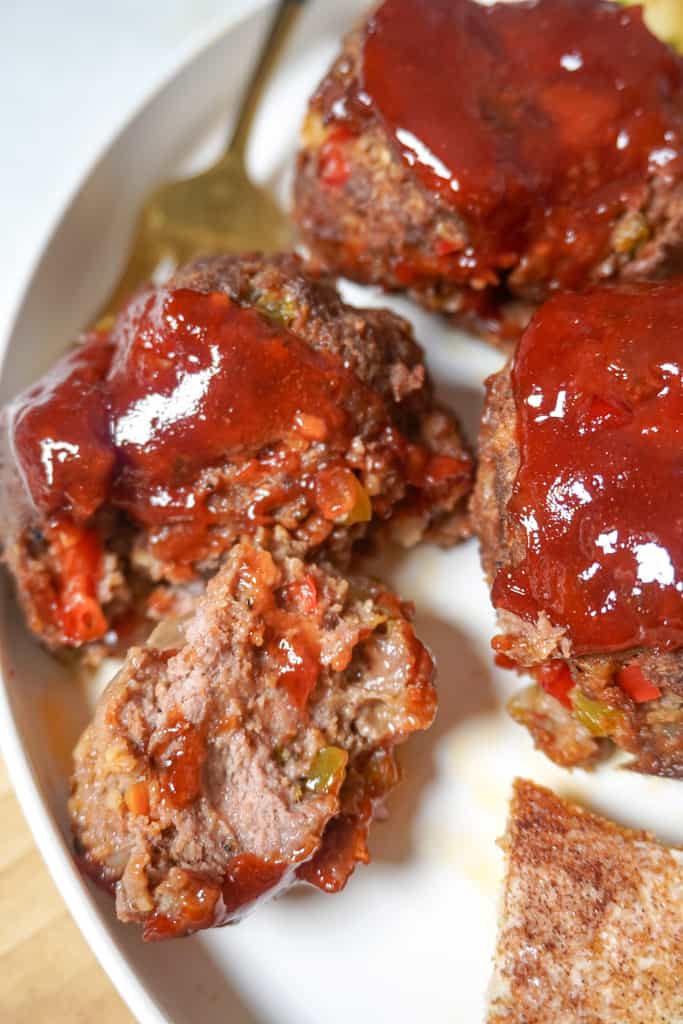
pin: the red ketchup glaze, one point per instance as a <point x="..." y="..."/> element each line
<point x="246" y="880"/>
<point x="596" y="505"/>
<point x="178" y="756"/>
<point x="197" y="379"/>
<point x="333" y="166"/>
<point x="296" y="653"/>
<point x="207" y="903"/>
<point x="539" y="122"/>
<point x="194" y="908"/>
<point x="343" y="846"/>
<point x="59" y="430"/>
<point x="344" y="842"/>
<point x="186" y="381"/>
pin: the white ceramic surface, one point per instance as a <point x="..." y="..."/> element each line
<point x="71" y="75"/>
<point x="411" y="937"/>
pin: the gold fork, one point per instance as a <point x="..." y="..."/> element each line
<point x="219" y="209"/>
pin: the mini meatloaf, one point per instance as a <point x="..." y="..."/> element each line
<point x="483" y="156"/>
<point x="247" y="747"/>
<point x="243" y="397"/>
<point x="578" y="506"/>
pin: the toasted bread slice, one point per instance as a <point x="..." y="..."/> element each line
<point x="591" y="927"/>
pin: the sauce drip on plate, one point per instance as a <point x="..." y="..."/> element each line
<point x="596" y="507"/>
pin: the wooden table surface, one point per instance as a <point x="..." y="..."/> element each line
<point x="47" y="973"/>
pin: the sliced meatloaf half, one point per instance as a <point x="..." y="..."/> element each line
<point x="249" y="745"/>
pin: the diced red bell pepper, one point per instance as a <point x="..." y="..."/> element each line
<point x="502" y="661"/>
<point x="333" y="167"/>
<point x="637" y="686"/>
<point x="556" y="679"/>
<point x="78" y="556"/>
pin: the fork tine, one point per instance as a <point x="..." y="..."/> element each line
<point x="157" y="238"/>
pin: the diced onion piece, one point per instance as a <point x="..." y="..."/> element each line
<point x="168" y="635"/>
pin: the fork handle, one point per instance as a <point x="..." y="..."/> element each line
<point x="282" y="22"/>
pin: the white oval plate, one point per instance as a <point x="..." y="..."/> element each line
<point x="411" y="937"/>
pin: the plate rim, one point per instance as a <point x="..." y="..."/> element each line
<point x="43" y="827"/>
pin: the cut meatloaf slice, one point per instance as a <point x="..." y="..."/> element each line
<point x="247" y="747"/>
<point x="242" y="397"/>
<point x="591" y="930"/>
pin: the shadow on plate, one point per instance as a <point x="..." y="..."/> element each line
<point x="465" y="690"/>
<point x="466" y="402"/>
<point x="205" y="994"/>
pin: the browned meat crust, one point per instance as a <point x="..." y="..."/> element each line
<point x="651" y="732"/>
<point x="376" y="223"/>
<point x="248" y="745"/>
<point x="398" y="497"/>
<point x="590" y="928"/>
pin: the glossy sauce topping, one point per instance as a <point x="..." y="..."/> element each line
<point x="296" y="654"/>
<point x="290" y="617"/>
<point x="197" y="413"/>
<point x="539" y="121"/>
<point x="178" y="756"/>
<point x="596" y="506"/>
<point x="60" y="432"/>
<point x="197" y="378"/>
<point x="192" y="908"/>
<point x="246" y="880"/>
<point x="189" y="379"/>
<point x="343" y="846"/>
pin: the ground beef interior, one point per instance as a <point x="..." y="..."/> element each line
<point x="248" y="746"/>
<point x="244" y="396"/>
<point x="523" y="170"/>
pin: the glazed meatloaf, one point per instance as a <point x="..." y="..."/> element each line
<point x="241" y="397"/>
<point x="247" y="746"/>
<point x="483" y="156"/>
<point x="578" y="506"/>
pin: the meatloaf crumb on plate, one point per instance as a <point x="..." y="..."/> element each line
<point x="591" y="930"/>
<point x="247" y="746"/>
<point x="578" y="508"/>
<point x="482" y="156"/>
<point x="242" y="397"/>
